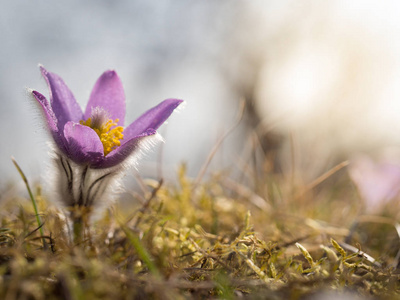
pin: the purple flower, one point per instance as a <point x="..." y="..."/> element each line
<point x="96" y="137"/>
<point x="93" y="147"/>
<point x="377" y="182"/>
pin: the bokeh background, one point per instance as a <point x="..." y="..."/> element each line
<point x="322" y="78"/>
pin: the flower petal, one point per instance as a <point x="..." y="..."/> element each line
<point x="108" y="93"/>
<point x="124" y="151"/>
<point x="62" y="100"/>
<point x="84" y="145"/>
<point x="377" y="182"/>
<point x="50" y="119"/>
<point x="153" y="118"/>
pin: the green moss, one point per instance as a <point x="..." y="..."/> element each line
<point x="197" y="241"/>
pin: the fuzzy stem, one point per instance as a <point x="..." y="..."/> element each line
<point x="79" y="216"/>
<point x="78" y="229"/>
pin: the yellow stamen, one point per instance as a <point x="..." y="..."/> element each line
<point x="110" y="137"/>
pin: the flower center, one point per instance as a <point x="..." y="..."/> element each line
<point x="109" y="133"/>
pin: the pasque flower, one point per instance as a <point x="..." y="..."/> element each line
<point x="93" y="146"/>
<point x="96" y="137"/>
<point x="377" y="182"/>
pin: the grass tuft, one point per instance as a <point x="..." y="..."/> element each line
<point x="218" y="238"/>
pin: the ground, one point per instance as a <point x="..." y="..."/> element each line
<point x="228" y="237"/>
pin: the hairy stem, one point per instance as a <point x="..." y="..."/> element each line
<point x="77" y="230"/>
<point x="79" y="217"/>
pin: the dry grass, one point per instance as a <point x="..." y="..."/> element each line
<point x="255" y="237"/>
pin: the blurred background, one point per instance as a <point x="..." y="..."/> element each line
<point x="321" y="79"/>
